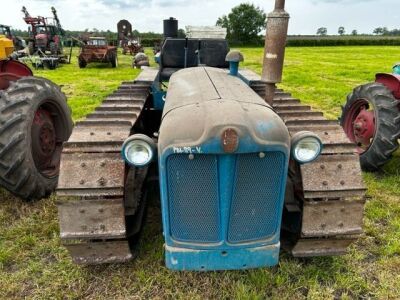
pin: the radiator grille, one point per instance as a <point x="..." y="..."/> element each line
<point x="193" y="198"/>
<point x="256" y="197"/>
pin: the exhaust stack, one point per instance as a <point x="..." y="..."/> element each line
<point x="274" y="51"/>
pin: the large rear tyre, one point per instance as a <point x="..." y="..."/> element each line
<point x="35" y="120"/>
<point x="371" y="120"/>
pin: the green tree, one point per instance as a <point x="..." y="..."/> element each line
<point x="181" y="33"/>
<point x="243" y="23"/>
<point x="354" y="32"/>
<point x="378" y="31"/>
<point x="322" y="31"/>
<point x="341" y="30"/>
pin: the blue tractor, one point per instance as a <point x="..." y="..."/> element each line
<point x="242" y="167"/>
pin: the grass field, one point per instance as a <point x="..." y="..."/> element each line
<point x="33" y="264"/>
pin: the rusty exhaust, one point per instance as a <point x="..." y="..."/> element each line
<point x="274" y="51"/>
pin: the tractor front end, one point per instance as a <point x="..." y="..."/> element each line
<point x="223" y="161"/>
<point x="242" y="166"/>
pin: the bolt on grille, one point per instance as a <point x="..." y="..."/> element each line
<point x="256" y="197"/>
<point x="193" y="198"/>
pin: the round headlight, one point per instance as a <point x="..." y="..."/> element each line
<point x="306" y="147"/>
<point x="138" y="150"/>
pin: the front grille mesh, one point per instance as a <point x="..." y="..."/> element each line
<point x="256" y="197"/>
<point x="193" y="198"/>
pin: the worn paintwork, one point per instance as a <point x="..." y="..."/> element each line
<point x="391" y="81"/>
<point x="91" y="187"/>
<point x="202" y="106"/>
<point x="330" y="183"/>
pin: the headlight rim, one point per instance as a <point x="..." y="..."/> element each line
<point x="300" y="136"/>
<point x="144" y="139"/>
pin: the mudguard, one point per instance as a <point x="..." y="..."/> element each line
<point x="391" y="81"/>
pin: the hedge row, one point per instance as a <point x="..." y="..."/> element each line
<point x="294" y="42"/>
<point x="343" y="42"/>
<point x="298" y="41"/>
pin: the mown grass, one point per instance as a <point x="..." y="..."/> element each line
<point x="33" y="264"/>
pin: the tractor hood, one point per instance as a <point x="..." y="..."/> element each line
<point x="202" y="103"/>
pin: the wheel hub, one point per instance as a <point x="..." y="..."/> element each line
<point x="364" y="127"/>
<point x="47" y="138"/>
<point x="359" y="124"/>
<point x="44" y="140"/>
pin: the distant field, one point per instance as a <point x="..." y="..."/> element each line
<point x="33" y="264"/>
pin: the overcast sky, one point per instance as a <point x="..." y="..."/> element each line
<point x="147" y="15"/>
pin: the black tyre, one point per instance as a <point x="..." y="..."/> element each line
<point x="371" y="120"/>
<point x="114" y="60"/>
<point x="35" y="120"/>
<point x="31" y="48"/>
<point x="82" y="63"/>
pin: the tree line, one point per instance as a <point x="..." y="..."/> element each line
<point x="384" y="31"/>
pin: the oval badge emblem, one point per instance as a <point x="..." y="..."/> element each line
<point x="230" y="140"/>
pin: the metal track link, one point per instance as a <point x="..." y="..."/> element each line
<point x="90" y="191"/>
<point x="331" y="189"/>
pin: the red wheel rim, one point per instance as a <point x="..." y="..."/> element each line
<point x="45" y="143"/>
<point x="359" y="124"/>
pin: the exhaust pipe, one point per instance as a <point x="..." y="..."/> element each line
<point x="274" y="51"/>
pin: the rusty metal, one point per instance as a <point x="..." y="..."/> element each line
<point x="330" y="190"/>
<point x="321" y="247"/>
<point x="332" y="176"/>
<point x="230" y="140"/>
<point x="100" y="252"/>
<point x="105" y="167"/>
<point x="332" y="218"/>
<point x="127" y="40"/>
<point x="274" y="53"/>
<point x="95" y="219"/>
<point x="97" y="50"/>
<point x="91" y="189"/>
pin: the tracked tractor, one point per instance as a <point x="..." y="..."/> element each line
<point x="45" y="34"/>
<point x="371" y="119"/>
<point x="243" y="168"/>
<point x="35" y="120"/>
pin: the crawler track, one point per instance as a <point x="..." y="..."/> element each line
<point x="92" y="177"/>
<point x="330" y="191"/>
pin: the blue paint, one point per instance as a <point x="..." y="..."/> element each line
<point x="396" y="69"/>
<point x="157" y="58"/>
<point x="216" y="259"/>
<point x="158" y="96"/>
<point x="192" y="253"/>
<point x="233" y="68"/>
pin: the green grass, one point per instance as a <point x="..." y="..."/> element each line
<point x="33" y="264"/>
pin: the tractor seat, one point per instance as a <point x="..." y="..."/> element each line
<point x="172" y="58"/>
<point x="166" y="73"/>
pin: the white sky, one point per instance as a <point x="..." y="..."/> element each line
<point x="147" y="15"/>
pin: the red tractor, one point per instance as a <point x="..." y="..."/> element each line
<point x="35" y="120"/>
<point x="44" y="36"/>
<point x="371" y="119"/>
